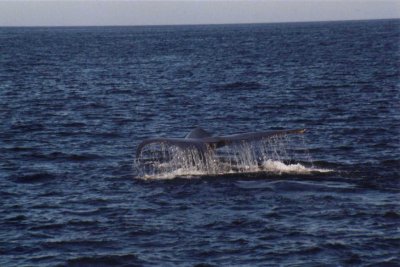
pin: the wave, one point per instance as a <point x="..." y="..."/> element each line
<point x="243" y="86"/>
<point x="279" y="167"/>
<point x="39" y="177"/>
<point x="269" y="167"/>
<point x="57" y="155"/>
<point x="105" y="260"/>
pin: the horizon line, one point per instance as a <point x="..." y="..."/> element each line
<point x="196" y="24"/>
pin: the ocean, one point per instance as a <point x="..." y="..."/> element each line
<point x="75" y="102"/>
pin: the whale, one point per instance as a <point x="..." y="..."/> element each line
<point x="205" y="142"/>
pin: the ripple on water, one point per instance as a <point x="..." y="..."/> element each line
<point x="75" y="103"/>
<point x="40" y="177"/>
<point x="106" y="260"/>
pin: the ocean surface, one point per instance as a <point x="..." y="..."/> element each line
<point x="76" y="102"/>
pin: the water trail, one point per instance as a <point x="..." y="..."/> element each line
<point x="278" y="154"/>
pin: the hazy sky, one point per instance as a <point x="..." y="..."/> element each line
<point x="90" y="12"/>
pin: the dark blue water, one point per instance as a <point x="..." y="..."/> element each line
<point x="75" y="103"/>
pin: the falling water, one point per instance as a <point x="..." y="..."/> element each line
<point x="278" y="154"/>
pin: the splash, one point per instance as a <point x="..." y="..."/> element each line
<point x="277" y="155"/>
<point x="279" y="167"/>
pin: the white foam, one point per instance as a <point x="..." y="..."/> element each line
<point x="279" y="167"/>
<point x="269" y="166"/>
<point x="174" y="174"/>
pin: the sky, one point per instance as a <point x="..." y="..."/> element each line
<point x="101" y="13"/>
